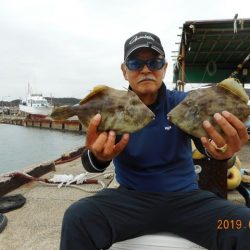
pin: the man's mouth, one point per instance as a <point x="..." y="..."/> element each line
<point x="146" y="79"/>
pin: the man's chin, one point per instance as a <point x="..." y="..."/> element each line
<point x="148" y="87"/>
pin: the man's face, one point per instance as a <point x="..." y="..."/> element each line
<point x="144" y="81"/>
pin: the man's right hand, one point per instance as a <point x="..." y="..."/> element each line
<point x="102" y="144"/>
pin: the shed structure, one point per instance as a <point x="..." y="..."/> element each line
<point x="210" y="51"/>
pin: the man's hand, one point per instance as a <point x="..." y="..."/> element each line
<point x="235" y="136"/>
<point x="102" y="144"/>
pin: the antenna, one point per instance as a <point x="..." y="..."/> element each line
<point x="29" y="90"/>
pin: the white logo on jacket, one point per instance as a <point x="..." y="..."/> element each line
<point x="167" y="128"/>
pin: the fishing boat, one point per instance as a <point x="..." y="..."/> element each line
<point x="36" y="105"/>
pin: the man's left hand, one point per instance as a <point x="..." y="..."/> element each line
<point x="224" y="146"/>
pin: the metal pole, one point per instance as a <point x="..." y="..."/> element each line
<point x="2" y="107"/>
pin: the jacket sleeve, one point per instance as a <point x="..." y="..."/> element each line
<point x="91" y="164"/>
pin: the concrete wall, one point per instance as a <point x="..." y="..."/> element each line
<point x="71" y="125"/>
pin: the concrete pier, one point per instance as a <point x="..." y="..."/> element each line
<point x="67" y="125"/>
<point x="37" y="225"/>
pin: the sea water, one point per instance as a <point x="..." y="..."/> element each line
<point x="22" y="147"/>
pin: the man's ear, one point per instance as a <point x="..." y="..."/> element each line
<point x="124" y="71"/>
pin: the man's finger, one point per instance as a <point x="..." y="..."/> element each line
<point x="212" y="132"/>
<point x="99" y="143"/>
<point x="121" y="144"/>
<point x="238" y="125"/>
<point x="109" y="146"/>
<point x="94" y="123"/>
<point x="92" y="129"/>
<point x="210" y="147"/>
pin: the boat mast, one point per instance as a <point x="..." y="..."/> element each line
<point x="28" y="88"/>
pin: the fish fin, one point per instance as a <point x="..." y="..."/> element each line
<point x="62" y="113"/>
<point x="126" y="88"/>
<point x="232" y="85"/>
<point x="97" y="89"/>
<point x="130" y="91"/>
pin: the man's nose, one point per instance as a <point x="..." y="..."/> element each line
<point x="145" y="69"/>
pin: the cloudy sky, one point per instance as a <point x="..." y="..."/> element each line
<point x="65" y="47"/>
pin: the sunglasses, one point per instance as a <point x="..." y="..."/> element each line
<point x="152" y="64"/>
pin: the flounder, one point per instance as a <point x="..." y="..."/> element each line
<point x="121" y="111"/>
<point x="202" y="104"/>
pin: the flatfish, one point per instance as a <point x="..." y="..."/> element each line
<point x="121" y="110"/>
<point x="202" y="104"/>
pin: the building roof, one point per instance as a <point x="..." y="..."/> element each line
<point x="211" y="50"/>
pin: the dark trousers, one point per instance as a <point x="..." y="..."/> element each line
<point x="114" y="215"/>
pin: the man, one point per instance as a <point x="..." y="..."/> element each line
<point x="158" y="188"/>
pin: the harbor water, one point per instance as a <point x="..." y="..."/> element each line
<point x="22" y="147"/>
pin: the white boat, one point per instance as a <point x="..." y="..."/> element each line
<point x="36" y="104"/>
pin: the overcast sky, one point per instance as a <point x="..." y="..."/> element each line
<point x="65" y="47"/>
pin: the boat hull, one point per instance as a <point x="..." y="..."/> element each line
<point x="44" y="111"/>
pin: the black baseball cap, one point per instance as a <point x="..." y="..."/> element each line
<point x="142" y="40"/>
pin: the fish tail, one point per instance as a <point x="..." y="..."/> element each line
<point x="62" y="113"/>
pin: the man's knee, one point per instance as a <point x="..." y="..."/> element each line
<point x="78" y="214"/>
<point x="84" y="221"/>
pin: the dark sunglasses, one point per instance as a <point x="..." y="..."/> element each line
<point x="152" y="64"/>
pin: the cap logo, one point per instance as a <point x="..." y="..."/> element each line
<point x="136" y="38"/>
